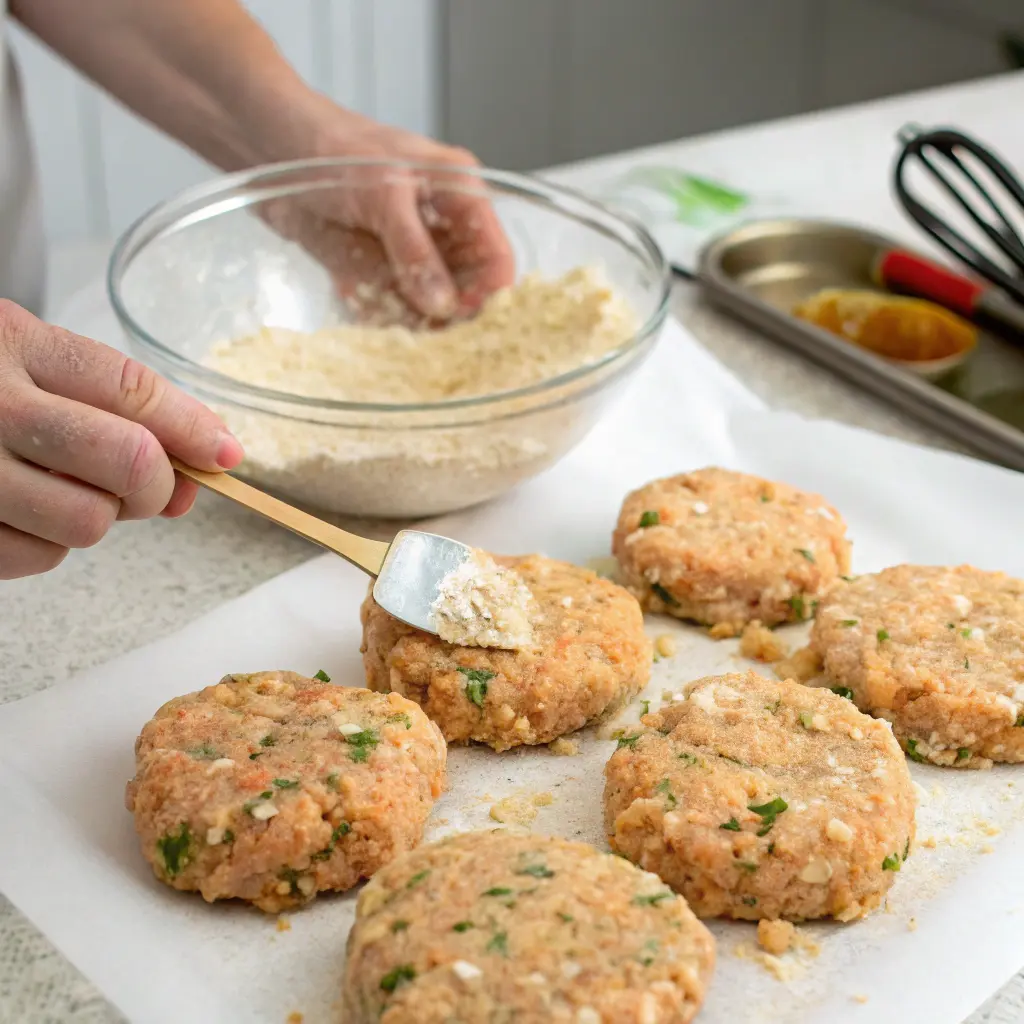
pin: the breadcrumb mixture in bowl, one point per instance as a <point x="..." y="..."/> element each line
<point x="352" y="406"/>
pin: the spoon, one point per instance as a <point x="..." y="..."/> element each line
<point x="408" y="571"/>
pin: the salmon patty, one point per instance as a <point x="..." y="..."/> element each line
<point x="725" y="548"/>
<point x="763" y="799"/>
<point x="588" y="656"/>
<point x="272" y="787"/>
<point x="492" y="926"/>
<point x="938" y="652"/>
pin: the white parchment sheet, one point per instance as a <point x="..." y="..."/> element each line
<point x="953" y="930"/>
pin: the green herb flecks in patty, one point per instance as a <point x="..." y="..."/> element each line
<point x="912" y="752"/>
<point x="204" y="753"/>
<point x="653" y="899"/>
<point x="176" y="849"/>
<point x="476" y="684"/>
<point x="660" y="592"/>
<point x="665" y="789"/>
<point x="538" y="870"/>
<point x="399" y="976"/>
<point x="291" y="876"/>
<point x="768" y="813"/>
<point x="362" y="744"/>
<point x="341" y="830"/>
<point x="649" y="952"/>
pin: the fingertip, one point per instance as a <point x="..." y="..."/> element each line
<point x="438" y="300"/>
<point x="230" y="452"/>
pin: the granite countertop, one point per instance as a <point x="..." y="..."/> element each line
<point x="149" y="579"/>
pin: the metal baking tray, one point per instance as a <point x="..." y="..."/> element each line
<point x="760" y="271"/>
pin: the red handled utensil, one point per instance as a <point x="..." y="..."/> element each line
<point x="906" y="272"/>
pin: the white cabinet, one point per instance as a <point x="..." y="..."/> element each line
<point x="533" y="83"/>
<point x="873" y="48"/>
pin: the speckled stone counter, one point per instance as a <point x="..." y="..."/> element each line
<point x="149" y="579"/>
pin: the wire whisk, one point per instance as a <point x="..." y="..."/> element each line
<point x="970" y="174"/>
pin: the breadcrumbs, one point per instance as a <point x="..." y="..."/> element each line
<point x="283" y="924"/>
<point x="806" y="945"/>
<point x="724" y="630"/>
<point x="775" y="936"/>
<point x="520" y="810"/>
<point x="665" y="645"/>
<point x="760" y="644"/>
<point x="803" y="666"/>
<point x="564" y="747"/>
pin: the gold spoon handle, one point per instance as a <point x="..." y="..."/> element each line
<point x="367" y="554"/>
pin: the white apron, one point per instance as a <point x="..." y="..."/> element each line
<point x="22" y="251"/>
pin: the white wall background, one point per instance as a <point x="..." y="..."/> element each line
<point x="101" y="167"/>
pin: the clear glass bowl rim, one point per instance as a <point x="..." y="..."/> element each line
<point x="166" y="216"/>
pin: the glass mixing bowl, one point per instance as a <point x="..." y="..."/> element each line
<point x="206" y="266"/>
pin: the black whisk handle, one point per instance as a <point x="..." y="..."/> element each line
<point x="991" y="219"/>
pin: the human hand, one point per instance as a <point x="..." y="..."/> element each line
<point x="432" y="237"/>
<point x="85" y="435"/>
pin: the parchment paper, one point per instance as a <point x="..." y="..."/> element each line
<point x="953" y="929"/>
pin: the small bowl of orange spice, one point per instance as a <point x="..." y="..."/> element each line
<point x="914" y="334"/>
